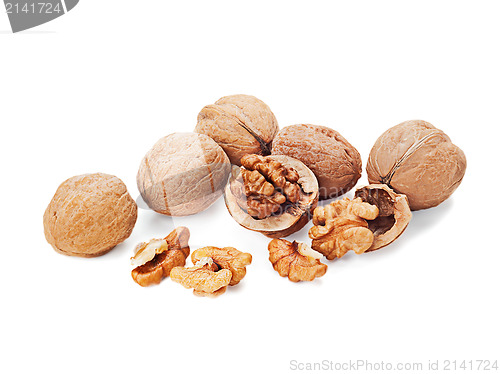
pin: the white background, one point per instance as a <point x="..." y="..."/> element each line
<point x="93" y="90"/>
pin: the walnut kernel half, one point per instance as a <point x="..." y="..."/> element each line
<point x="294" y="260"/>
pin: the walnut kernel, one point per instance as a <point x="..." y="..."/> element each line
<point x="226" y="258"/>
<point x="294" y="260"/>
<point x="341" y="226"/>
<point x="154" y="261"/>
<point x="273" y="195"/>
<point x="205" y="277"/>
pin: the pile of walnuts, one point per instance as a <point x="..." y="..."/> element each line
<point x="272" y="181"/>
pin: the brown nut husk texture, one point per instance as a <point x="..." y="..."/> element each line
<point x="183" y="174"/>
<point x="240" y="124"/>
<point x="274" y="195"/>
<point x="416" y="159"/>
<point x="334" y="161"/>
<point x="89" y="215"/>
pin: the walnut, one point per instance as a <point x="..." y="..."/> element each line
<point x="183" y="174"/>
<point x="334" y="161"/>
<point x="205" y="277"/>
<point x="294" y="260"/>
<point x="226" y="258"/>
<point x="394" y="213"/>
<point x="341" y="226"/>
<point x="155" y="260"/>
<point x="262" y="198"/>
<point x="375" y="218"/>
<point x="416" y="159"/>
<point x="89" y="215"/>
<point x="274" y="195"/>
<point x="240" y="124"/>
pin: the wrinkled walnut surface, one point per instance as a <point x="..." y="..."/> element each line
<point x="240" y="124"/>
<point x="89" y="215"/>
<point x="226" y="258"/>
<point x="183" y="174"/>
<point x="288" y="261"/>
<point x="334" y="161"/>
<point x="290" y="217"/>
<point x="342" y="226"/>
<point x="204" y="277"/>
<point x="394" y="216"/>
<point x="158" y="265"/>
<point x="416" y="159"/>
<point x="267" y="185"/>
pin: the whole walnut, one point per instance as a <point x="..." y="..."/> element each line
<point x="240" y="124"/>
<point x="183" y="174"/>
<point x="334" y="161"/>
<point x="89" y="215"/>
<point x="416" y="159"/>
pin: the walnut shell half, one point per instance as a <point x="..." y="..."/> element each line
<point x="394" y="213"/>
<point x="240" y="124"/>
<point x="290" y="217"/>
<point x="416" y="159"/>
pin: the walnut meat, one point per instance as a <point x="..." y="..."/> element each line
<point x="375" y="218"/>
<point x="416" y="159"/>
<point x="155" y="260"/>
<point x="240" y="124"/>
<point x="341" y="226"/>
<point x="226" y="258"/>
<point x="205" y="277"/>
<point x="334" y="161"/>
<point x="394" y="213"/>
<point x="294" y="260"/>
<point x="89" y="215"/>
<point x="274" y="195"/>
<point x="183" y="174"/>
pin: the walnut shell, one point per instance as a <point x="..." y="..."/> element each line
<point x="287" y="220"/>
<point x="240" y="124"/>
<point x="394" y="213"/>
<point x="416" y="159"/>
<point x="334" y="161"/>
<point x="183" y="174"/>
<point x="89" y="215"/>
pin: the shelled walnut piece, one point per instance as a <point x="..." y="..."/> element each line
<point x="155" y="260"/>
<point x="294" y="260"/>
<point x="341" y="226"/>
<point x="267" y="185"/>
<point x="226" y="258"/>
<point x="205" y="277"/>
<point x="375" y="218"/>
